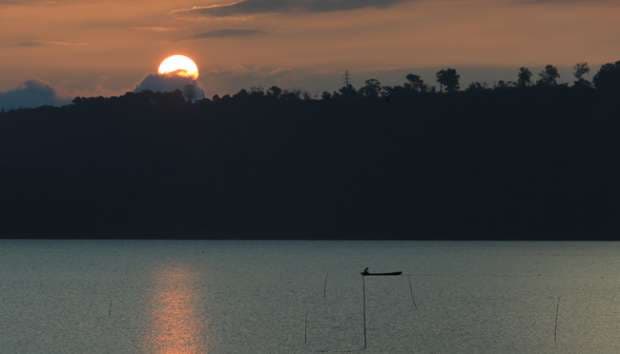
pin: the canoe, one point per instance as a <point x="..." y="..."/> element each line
<point x="380" y="274"/>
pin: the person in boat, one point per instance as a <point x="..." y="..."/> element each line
<point x="367" y="273"/>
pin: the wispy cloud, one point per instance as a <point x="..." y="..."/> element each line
<point x="228" y="33"/>
<point x="156" y="29"/>
<point x="247" y="7"/>
<point x="40" y="43"/>
<point x="28" y="2"/>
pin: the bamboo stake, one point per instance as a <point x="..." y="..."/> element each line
<point x="364" y="308"/>
<point x="411" y="293"/>
<point x="325" y="285"/>
<point x="557" y="313"/>
<point x="306" y="328"/>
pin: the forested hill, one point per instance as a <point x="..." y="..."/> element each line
<point x="519" y="160"/>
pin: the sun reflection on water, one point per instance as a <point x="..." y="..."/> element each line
<point x="176" y="327"/>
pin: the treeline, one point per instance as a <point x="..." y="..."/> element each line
<point x="449" y="81"/>
<point x="529" y="159"/>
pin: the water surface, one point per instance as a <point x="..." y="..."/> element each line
<point x="304" y="297"/>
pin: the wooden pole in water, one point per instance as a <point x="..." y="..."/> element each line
<point x="364" y="308"/>
<point x="557" y="313"/>
<point x="306" y="328"/>
<point x="411" y="292"/>
<point x="325" y="285"/>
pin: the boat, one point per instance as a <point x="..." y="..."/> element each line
<point x="366" y="273"/>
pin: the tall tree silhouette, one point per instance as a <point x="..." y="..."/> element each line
<point x="275" y="91"/>
<point x="549" y="76"/>
<point x="415" y="83"/>
<point x="524" y="78"/>
<point x="579" y="71"/>
<point x="448" y="80"/>
<point x="608" y="77"/>
<point x="501" y="84"/>
<point x="347" y="91"/>
<point x="372" y="88"/>
<point x="477" y="87"/>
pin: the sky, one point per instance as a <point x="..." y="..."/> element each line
<point x="107" y="47"/>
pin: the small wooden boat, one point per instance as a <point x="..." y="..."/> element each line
<point x="366" y="273"/>
<point x="381" y="274"/>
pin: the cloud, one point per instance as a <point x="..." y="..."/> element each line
<point x="229" y="32"/>
<point x="563" y="1"/>
<point x="30" y="94"/>
<point x="38" y="43"/>
<point x="28" y="2"/>
<point x="169" y="83"/>
<point x="247" y="7"/>
<point x="155" y="29"/>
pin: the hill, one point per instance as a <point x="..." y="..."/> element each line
<point x="515" y="161"/>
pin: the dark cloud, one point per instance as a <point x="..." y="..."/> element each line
<point x="30" y="94"/>
<point x="169" y="83"/>
<point x="246" y="7"/>
<point x="563" y="1"/>
<point x="229" y="32"/>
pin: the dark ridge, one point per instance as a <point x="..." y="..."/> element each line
<point x="519" y="160"/>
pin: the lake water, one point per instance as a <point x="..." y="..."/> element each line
<point x="304" y="297"/>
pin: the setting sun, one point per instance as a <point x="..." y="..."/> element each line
<point x="179" y="65"/>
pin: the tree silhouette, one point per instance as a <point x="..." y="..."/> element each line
<point x="549" y="76"/>
<point x="243" y="94"/>
<point x="372" y="88"/>
<point x="608" y="77"/>
<point x="501" y="84"/>
<point x="347" y="91"/>
<point x="524" y="77"/>
<point x="579" y="71"/>
<point x="448" y="80"/>
<point x="274" y="91"/>
<point x="476" y="87"/>
<point x="415" y="83"/>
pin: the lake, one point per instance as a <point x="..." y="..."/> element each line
<point x="305" y="297"/>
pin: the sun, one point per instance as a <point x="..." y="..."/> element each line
<point x="179" y="65"/>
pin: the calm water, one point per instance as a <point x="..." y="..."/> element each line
<point x="270" y="297"/>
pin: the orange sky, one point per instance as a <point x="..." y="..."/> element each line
<point x="106" y="47"/>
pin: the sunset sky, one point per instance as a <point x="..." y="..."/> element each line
<point x="97" y="47"/>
